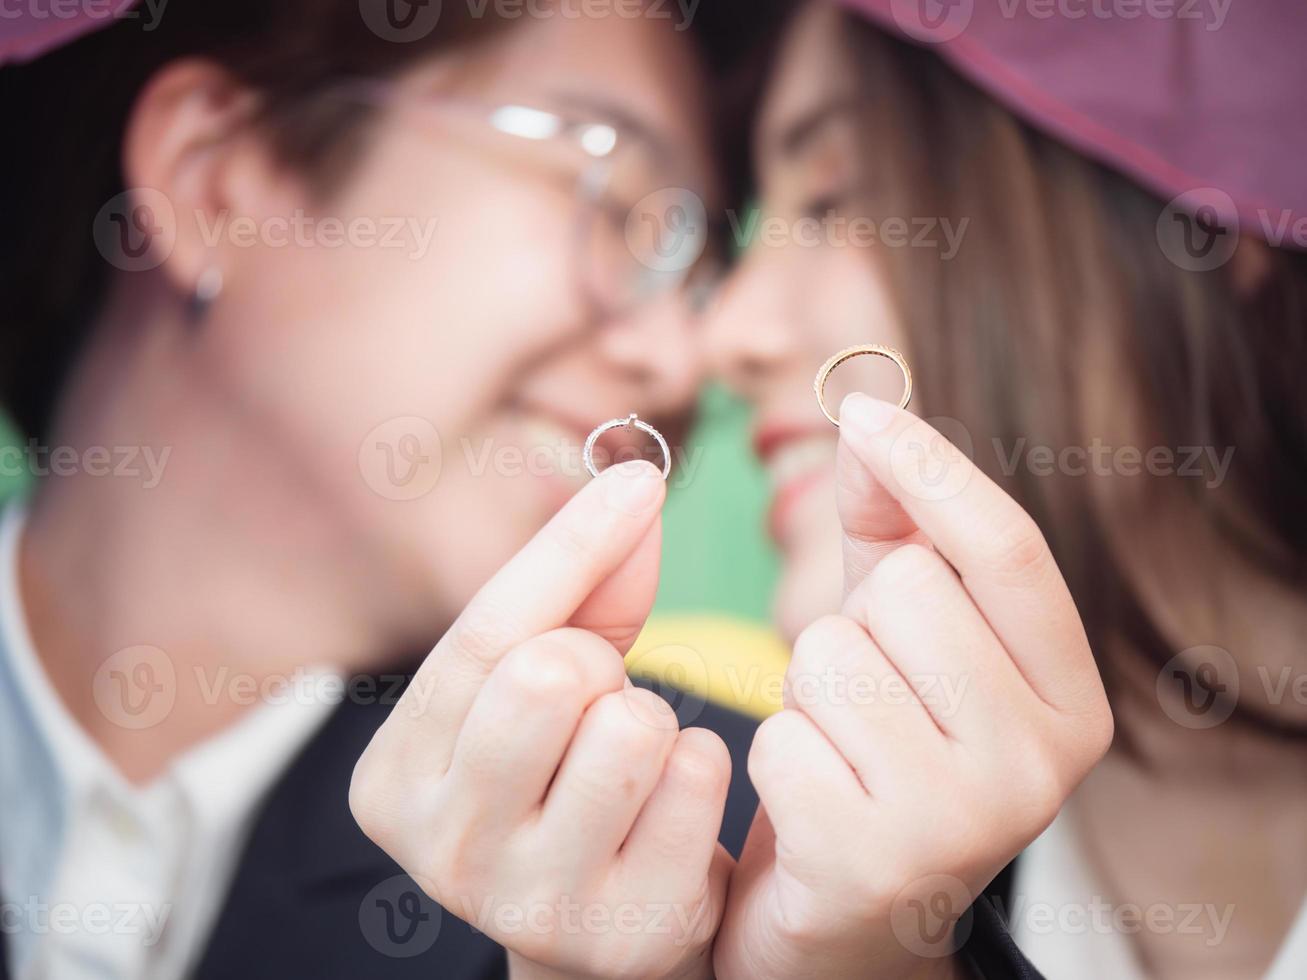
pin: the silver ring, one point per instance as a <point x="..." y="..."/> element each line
<point x="632" y="421"/>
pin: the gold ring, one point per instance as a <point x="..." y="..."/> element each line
<point x="819" y="385"/>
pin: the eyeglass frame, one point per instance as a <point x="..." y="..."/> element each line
<point x="600" y="141"/>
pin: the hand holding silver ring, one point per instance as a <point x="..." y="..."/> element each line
<point x="632" y="421"/>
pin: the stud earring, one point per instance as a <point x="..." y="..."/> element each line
<point x="207" y="289"/>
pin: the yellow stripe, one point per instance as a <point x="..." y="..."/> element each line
<point x="735" y="663"/>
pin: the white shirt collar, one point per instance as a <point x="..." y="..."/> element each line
<point x="50" y="769"/>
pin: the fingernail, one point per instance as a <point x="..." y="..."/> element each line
<point x="633" y="486"/>
<point x="865" y="414"/>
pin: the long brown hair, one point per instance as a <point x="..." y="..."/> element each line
<point x="1061" y="321"/>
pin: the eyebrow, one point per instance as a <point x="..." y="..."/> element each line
<point x="794" y="137"/>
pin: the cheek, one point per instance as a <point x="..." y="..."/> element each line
<point x="440" y="292"/>
<point x="855" y="308"/>
<point x="853" y="304"/>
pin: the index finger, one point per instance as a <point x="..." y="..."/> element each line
<point x="995" y="546"/>
<point x="873" y="522"/>
<point x="540" y="589"/>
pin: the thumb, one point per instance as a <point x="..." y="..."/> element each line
<point x="874" y="522"/>
<point x="620" y="604"/>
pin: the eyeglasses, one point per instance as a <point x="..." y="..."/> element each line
<point x="639" y="237"/>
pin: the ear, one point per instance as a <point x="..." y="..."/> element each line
<point x="190" y="149"/>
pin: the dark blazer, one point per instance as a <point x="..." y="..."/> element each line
<point x="312" y="897"/>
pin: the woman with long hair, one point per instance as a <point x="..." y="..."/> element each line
<point x="1086" y="235"/>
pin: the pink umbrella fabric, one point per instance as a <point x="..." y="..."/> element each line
<point x="34" y="27"/>
<point x="1200" y="100"/>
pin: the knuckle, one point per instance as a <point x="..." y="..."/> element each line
<point x="633" y="720"/>
<point x="771" y="744"/>
<point x="454" y="867"/>
<point x="363" y="799"/>
<point x="373" y="802"/>
<point x="1043" y="789"/>
<point x="597" y="664"/>
<point x="650" y="711"/>
<point x="1018" y="551"/>
<point x="1103" y="732"/>
<point x="1090" y="733"/>
<point x="904" y="571"/>
<point x="700" y="763"/>
<point x="570" y="537"/>
<point x="827" y="641"/>
<point x="483" y="633"/>
<point x="564" y="667"/>
<point x="538" y="670"/>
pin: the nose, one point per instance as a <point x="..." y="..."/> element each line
<point x="750" y="332"/>
<point x="655" y="348"/>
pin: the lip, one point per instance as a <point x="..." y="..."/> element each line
<point x="769" y="438"/>
<point x="573" y="425"/>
